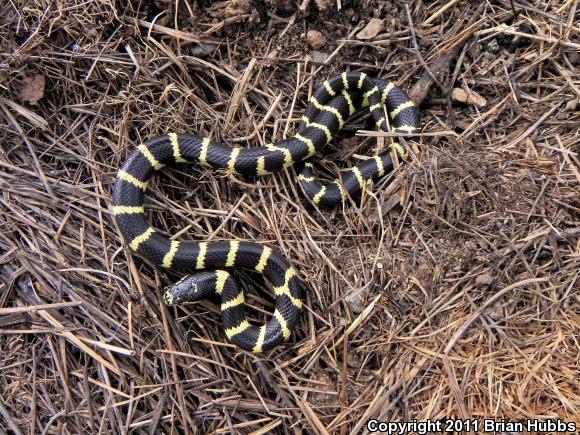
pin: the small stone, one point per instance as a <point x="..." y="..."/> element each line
<point x="203" y="49"/>
<point x="271" y="57"/>
<point x="315" y="39"/>
<point x="471" y="245"/>
<point x="353" y="360"/>
<point x="355" y="302"/>
<point x="319" y="57"/>
<point x="483" y="279"/>
<point x="572" y="104"/>
<point x="493" y="46"/>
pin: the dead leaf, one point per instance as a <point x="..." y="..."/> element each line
<point x="32" y="88"/>
<point x="471" y="97"/>
<point x="372" y="29"/>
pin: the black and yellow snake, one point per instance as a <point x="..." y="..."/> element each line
<point x="328" y="110"/>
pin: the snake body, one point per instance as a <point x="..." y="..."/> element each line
<point x="328" y="110"/>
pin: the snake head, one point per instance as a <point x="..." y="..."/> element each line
<point x="190" y="289"/>
<point x="168" y="297"/>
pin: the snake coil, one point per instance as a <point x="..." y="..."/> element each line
<point x="327" y="111"/>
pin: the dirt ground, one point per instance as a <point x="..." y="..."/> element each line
<point x="449" y="290"/>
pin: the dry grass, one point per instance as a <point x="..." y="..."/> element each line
<point x="465" y="263"/>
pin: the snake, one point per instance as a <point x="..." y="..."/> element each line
<point x="211" y="262"/>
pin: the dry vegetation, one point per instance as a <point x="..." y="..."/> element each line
<point x="452" y="291"/>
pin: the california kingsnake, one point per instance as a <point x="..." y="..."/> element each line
<point x="328" y="110"/>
